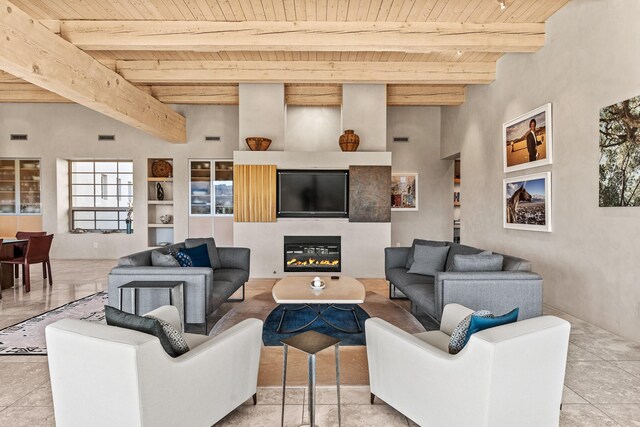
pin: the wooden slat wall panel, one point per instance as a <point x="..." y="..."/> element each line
<point x="254" y="193"/>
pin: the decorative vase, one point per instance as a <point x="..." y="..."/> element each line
<point x="349" y="140"/>
<point x="129" y="229"/>
<point x="159" y="191"/>
<point x="166" y="219"/>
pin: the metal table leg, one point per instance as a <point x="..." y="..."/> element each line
<point x="284" y="381"/>
<point x="338" y="380"/>
<point x="311" y="361"/>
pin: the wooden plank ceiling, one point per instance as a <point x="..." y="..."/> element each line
<point x="197" y="51"/>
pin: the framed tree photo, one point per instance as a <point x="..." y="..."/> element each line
<point x="527" y="140"/>
<point x="404" y="192"/>
<point x="526" y="202"/>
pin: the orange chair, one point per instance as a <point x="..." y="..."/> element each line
<point x="37" y="252"/>
<point x="19" y="249"/>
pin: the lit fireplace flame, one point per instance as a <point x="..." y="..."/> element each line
<point x="312" y="261"/>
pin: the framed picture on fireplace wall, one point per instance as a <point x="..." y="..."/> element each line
<point x="404" y="191"/>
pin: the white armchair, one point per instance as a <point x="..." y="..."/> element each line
<point x="107" y="376"/>
<point x="505" y="376"/>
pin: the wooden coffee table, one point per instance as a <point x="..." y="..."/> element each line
<point x="297" y="290"/>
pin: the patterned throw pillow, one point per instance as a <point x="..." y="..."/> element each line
<point x="459" y="335"/>
<point x="174" y="336"/>
<point x="183" y="259"/>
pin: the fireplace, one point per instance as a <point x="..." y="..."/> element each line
<point x="312" y="253"/>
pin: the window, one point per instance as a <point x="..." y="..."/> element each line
<point x="100" y="193"/>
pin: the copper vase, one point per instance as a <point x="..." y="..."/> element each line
<point x="349" y="140"/>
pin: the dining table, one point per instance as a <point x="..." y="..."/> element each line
<point x="7" y="252"/>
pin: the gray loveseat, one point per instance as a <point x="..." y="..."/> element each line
<point x="498" y="291"/>
<point x="205" y="289"/>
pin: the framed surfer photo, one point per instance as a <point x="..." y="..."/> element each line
<point x="527" y="140"/>
<point x="526" y="202"/>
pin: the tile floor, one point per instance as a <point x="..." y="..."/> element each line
<point x="602" y="385"/>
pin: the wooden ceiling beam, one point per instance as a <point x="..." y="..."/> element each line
<point x="329" y="95"/>
<point x="211" y="72"/>
<point x="27" y="92"/>
<point x="213" y="94"/>
<point x="33" y="53"/>
<point x="203" y="36"/>
<point x="424" y="95"/>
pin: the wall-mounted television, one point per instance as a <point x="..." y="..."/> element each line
<point x="313" y="193"/>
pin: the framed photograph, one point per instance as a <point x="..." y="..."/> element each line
<point x="404" y="192"/>
<point x="527" y="140"/>
<point x="620" y="154"/>
<point x="526" y="202"/>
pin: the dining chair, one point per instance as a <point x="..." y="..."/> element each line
<point x="19" y="249"/>
<point x="37" y="252"/>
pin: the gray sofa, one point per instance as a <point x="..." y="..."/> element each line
<point x="498" y="291"/>
<point x="205" y="289"/>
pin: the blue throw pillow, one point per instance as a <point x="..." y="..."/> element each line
<point x="183" y="259"/>
<point x="478" y="323"/>
<point x="199" y="256"/>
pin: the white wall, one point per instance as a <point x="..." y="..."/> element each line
<point x="58" y="132"/>
<point x="261" y="113"/>
<point x="589" y="261"/>
<point x="434" y="218"/>
<point x="364" y="109"/>
<point x="312" y="128"/>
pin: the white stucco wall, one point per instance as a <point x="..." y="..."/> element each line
<point x="590" y="61"/>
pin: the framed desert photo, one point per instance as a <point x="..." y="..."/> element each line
<point x="527" y="140"/>
<point x="404" y="192"/>
<point x="526" y="202"/>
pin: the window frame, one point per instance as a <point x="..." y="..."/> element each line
<point x="98" y="181"/>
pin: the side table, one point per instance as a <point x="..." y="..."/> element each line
<point x="311" y="342"/>
<point x="176" y="294"/>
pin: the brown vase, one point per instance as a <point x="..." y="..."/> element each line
<point x="349" y="141"/>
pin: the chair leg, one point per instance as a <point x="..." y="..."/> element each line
<point x="255" y="398"/>
<point x="44" y="270"/>
<point x="49" y="273"/>
<point x="27" y="278"/>
<point x="16" y="271"/>
<point x="373" y="398"/>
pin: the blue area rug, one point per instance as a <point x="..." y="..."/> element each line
<point x="296" y="319"/>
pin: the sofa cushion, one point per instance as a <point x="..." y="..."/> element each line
<point x="177" y="341"/>
<point x="428" y="260"/>
<point x="457" y="249"/>
<point x="423" y="296"/>
<point x="158" y="259"/>
<point x="424" y="243"/>
<point x="479" y="262"/>
<point x="214" y="258"/>
<point x="479" y="323"/>
<point x="512" y="263"/>
<point x="121" y="319"/>
<point x="239" y="277"/>
<point x="199" y="256"/>
<point x="183" y="258"/>
<point x="400" y="278"/>
<point x="459" y="335"/>
<point x="438" y="339"/>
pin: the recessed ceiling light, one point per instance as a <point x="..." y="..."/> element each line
<point x="503" y="5"/>
<point x="459" y="52"/>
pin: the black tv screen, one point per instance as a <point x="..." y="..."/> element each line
<point x="313" y="194"/>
